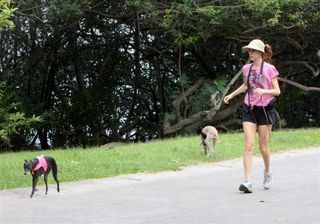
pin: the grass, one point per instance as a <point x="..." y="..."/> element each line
<point x="170" y="154"/>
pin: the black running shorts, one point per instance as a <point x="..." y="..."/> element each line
<point x="258" y="115"/>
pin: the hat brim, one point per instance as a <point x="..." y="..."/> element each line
<point x="246" y="48"/>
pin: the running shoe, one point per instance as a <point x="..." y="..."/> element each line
<point x="267" y="182"/>
<point x="246" y="187"/>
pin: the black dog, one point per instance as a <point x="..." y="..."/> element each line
<point x="37" y="167"/>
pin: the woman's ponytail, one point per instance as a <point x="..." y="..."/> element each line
<point x="267" y="53"/>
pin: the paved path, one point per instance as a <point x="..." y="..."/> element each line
<point x="200" y="194"/>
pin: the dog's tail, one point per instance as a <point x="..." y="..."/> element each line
<point x="55" y="173"/>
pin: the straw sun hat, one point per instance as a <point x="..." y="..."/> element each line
<point x="255" y="44"/>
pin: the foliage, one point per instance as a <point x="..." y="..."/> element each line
<point x="284" y="14"/>
<point x="5" y="14"/>
<point x="12" y="121"/>
<point x="190" y="21"/>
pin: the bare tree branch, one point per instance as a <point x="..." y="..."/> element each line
<point x="315" y="72"/>
<point x="206" y="116"/>
<point x="177" y="102"/>
<point x="225" y="124"/>
<point x="298" y="85"/>
<point x="184" y="123"/>
<point x="231" y="83"/>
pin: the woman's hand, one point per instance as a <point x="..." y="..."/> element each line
<point x="235" y="93"/>
<point x="259" y="91"/>
<point x="273" y="92"/>
<point x="227" y="99"/>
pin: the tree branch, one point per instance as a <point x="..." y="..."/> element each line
<point x="298" y="85"/>
<point x="315" y="72"/>
<point x="177" y="102"/>
<point x="202" y="115"/>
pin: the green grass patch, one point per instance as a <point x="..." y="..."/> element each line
<point x="170" y="154"/>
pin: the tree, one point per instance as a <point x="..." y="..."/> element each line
<point x="13" y="122"/>
<point x="14" y="125"/>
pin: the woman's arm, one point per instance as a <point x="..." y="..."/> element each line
<point x="274" y="92"/>
<point x="235" y="93"/>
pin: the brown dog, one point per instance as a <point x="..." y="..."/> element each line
<point x="209" y="133"/>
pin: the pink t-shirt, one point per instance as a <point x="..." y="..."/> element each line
<point x="256" y="80"/>
<point x="42" y="163"/>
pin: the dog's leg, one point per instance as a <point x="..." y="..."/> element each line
<point x="204" y="144"/>
<point x="214" y="148"/>
<point x="55" y="174"/>
<point x="206" y="147"/>
<point x="217" y="138"/>
<point x="200" y="145"/>
<point x="203" y="137"/>
<point x="57" y="181"/>
<point x="46" y="181"/>
<point x="206" y="150"/>
<point x="34" y="184"/>
<point x="209" y="150"/>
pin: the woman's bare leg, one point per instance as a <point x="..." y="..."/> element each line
<point x="249" y="129"/>
<point x="264" y="137"/>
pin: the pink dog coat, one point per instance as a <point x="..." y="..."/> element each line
<point x="42" y="163"/>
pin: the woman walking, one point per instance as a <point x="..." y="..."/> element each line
<point x="258" y="115"/>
